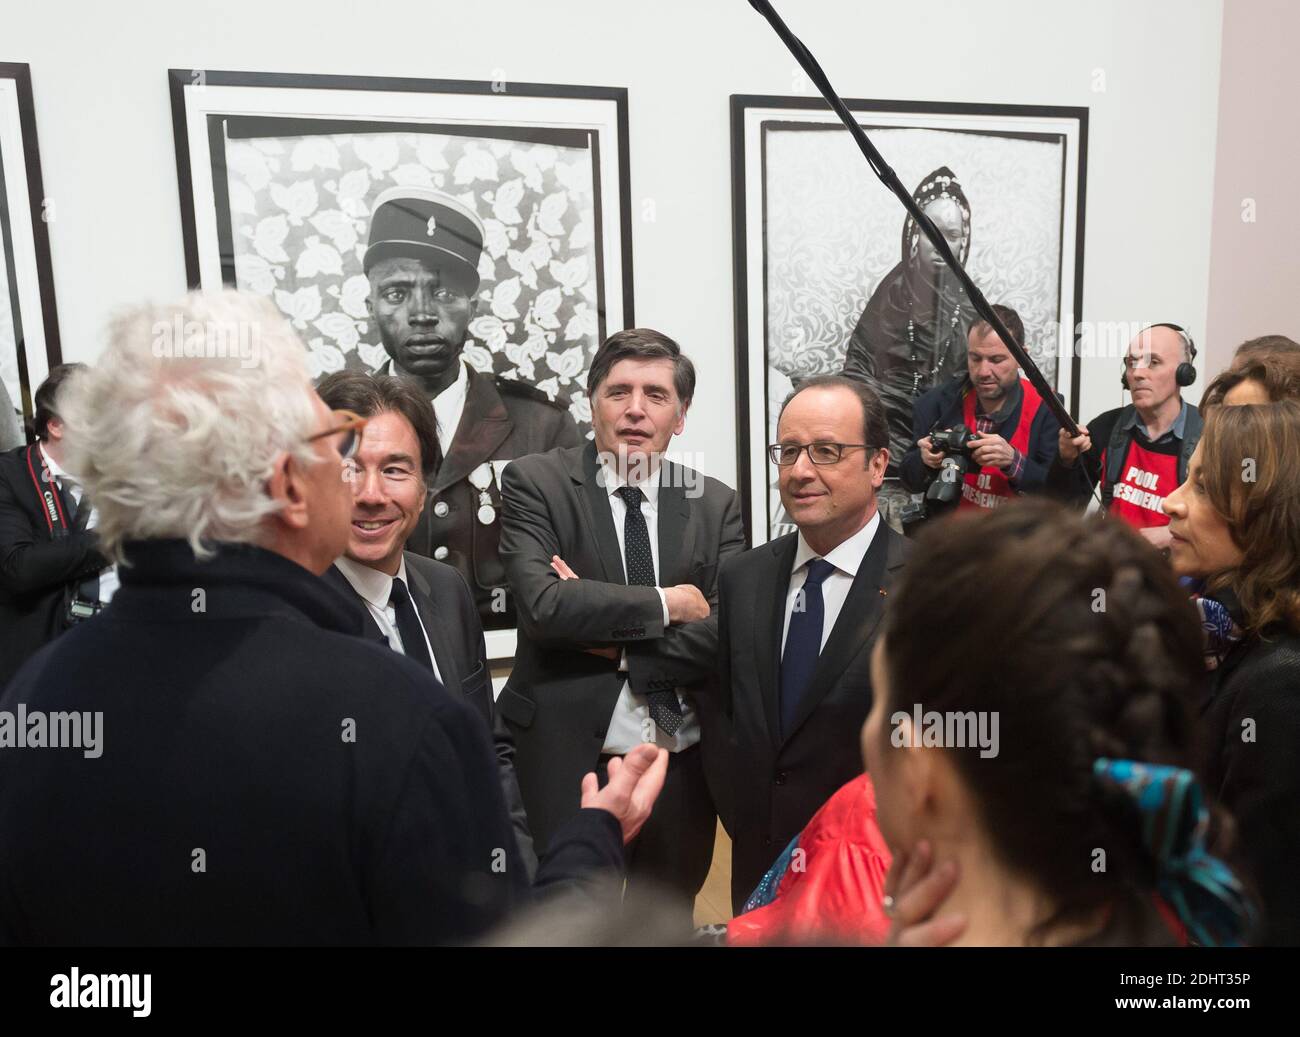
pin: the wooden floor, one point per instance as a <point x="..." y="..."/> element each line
<point x="713" y="905"/>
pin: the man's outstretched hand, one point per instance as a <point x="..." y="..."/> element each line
<point x="635" y="781"/>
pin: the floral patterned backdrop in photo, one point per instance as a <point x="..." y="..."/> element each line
<point x="300" y="212"/>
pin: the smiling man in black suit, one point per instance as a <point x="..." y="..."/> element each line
<point x="798" y="617"/>
<point x="415" y="605"/>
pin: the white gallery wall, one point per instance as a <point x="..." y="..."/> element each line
<point x="1148" y="70"/>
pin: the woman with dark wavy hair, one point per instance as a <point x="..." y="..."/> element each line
<point x="1036" y="733"/>
<point x="1236" y="529"/>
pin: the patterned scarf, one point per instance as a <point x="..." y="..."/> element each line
<point x="1203" y="892"/>
<point x="1218" y="620"/>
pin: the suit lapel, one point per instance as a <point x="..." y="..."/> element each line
<point x="676" y="532"/>
<point x="855" y="624"/>
<point x="769" y="619"/>
<point x="484" y="425"/>
<point x="436" y="627"/>
<point x="335" y="578"/>
<point x="600" y="520"/>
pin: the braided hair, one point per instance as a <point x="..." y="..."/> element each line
<point x="1076" y="634"/>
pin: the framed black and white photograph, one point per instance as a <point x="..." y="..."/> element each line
<point x="279" y="175"/>
<point x="29" y="332"/>
<point x="833" y="276"/>
<point x="347" y="200"/>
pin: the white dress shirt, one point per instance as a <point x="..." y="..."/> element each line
<point x="846" y="557"/>
<point x="449" y="405"/>
<point x="375" y="588"/>
<point x="108" y="581"/>
<point x="630" y="723"/>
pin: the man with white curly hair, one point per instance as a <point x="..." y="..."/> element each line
<point x="263" y="774"/>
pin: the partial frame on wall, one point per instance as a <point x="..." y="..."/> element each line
<point x="829" y="267"/>
<point x="279" y="175"/>
<point x="29" y="328"/>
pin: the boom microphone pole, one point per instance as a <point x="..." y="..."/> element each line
<point x="890" y="179"/>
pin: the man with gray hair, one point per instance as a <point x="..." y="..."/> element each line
<point x="267" y="776"/>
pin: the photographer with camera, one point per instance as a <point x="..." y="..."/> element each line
<point x="985" y="437"/>
<point x="52" y="574"/>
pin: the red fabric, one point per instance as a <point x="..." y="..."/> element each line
<point x="989" y="487"/>
<point x="835" y="897"/>
<point x="1146" y="479"/>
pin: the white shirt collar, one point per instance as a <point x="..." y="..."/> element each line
<point x="374" y="586"/>
<point x="649" y="486"/>
<point x="846" y="556"/>
<point x="55" y="469"/>
<point x="449" y="404"/>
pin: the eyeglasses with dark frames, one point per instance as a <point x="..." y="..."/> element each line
<point x="786" y="454"/>
<point x="345" y="421"/>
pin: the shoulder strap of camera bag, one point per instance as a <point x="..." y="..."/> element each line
<point x="50" y="501"/>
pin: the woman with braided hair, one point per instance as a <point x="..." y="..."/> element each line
<point x="1080" y="820"/>
<point x="1235" y="526"/>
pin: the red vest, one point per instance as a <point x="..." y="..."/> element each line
<point x="989" y="487"/>
<point x="1145" y="480"/>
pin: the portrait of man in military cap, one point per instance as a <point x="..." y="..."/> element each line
<point x="475" y="240"/>
<point x="422" y="260"/>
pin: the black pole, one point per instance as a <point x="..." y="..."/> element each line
<point x="890" y="179"/>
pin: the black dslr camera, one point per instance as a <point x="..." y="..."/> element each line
<point x="954" y="444"/>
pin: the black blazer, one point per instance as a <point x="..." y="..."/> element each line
<point x="559" y="698"/>
<point x="779" y="783"/>
<point x="267" y="777"/>
<point x="446" y="608"/>
<point x="37" y="570"/>
<point x="1253" y="769"/>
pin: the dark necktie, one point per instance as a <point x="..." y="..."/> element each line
<point x="78" y="510"/>
<point x="408" y="624"/>
<point x="665" y="710"/>
<point x="803" y="641"/>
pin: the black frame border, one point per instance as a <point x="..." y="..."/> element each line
<point x="21" y="74"/>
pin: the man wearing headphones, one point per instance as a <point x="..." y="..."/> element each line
<point x="1138" y="453"/>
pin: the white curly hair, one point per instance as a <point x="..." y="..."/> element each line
<point x="175" y="435"/>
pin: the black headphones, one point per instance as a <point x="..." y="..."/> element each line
<point x="1186" y="373"/>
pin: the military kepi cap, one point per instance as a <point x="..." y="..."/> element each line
<point x="428" y="225"/>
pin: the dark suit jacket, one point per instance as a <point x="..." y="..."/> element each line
<point x="559" y="699"/>
<point x="502" y="420"/>
<point x="447" y="611"/>
<point x="337" y="793"/>
<point x="37" y="570"/>
<point x="779" y="783"/>
<point x="1258" y="778"/>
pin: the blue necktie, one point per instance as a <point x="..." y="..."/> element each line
<point x="803" y="641"/>
<point x="665" y="710"/>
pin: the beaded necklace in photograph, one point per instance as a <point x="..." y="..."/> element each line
<point x="914" y="359"/>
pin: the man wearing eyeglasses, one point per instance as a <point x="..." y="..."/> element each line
<point x="261" y="774"/>
<point x="797" y="620"/>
